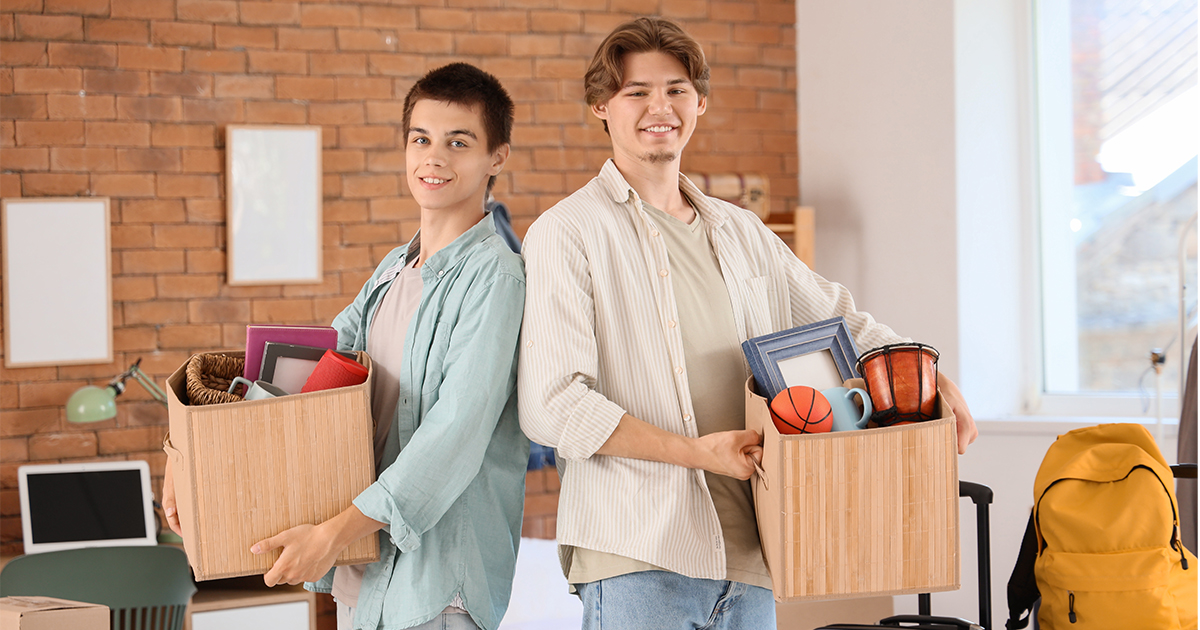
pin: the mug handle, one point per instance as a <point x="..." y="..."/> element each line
<point x="866" y="403"/>
<point x="240" y="380"/>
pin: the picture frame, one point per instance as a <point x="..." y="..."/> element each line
<point x="820" y="355"/>
<point x="273" y="196"/>
<point x="287" y="366"/>
<point x="58" y="309"/>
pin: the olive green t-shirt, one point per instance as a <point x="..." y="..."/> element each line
<point x="716" y="378"/>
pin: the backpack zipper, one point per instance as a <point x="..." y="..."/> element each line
<point x="1071" y="606"/>
<point x="1175" y="541"/>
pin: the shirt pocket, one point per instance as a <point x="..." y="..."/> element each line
<point x="764" y="306"/>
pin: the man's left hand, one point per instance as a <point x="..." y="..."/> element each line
<point x="308" y="554"/>
<point x="967" y="432"/>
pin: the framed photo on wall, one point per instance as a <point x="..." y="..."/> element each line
<point x="820" y="355"/>
<point x="57" y="281"/>
<point x="273" y="197"/>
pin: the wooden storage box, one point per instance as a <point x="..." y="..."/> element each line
<point x="248" y="470"/>
<point x="858" y="513"/>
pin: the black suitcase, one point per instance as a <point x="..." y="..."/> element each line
<point x="981" y="496"/>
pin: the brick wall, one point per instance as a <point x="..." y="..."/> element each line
<point x="129" y="99"/>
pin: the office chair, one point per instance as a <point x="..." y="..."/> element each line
<point x="147" y="588"/>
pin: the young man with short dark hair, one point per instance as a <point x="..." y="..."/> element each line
<point x="440" y="318"/>
<point x="641" y="290"/>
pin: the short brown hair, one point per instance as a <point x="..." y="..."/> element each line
<point x="468" y="86"/>
<point x="646" y="34"/>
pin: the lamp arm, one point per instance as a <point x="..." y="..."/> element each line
<point x="147" y="384"/>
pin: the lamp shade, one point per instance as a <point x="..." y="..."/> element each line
<point x="92" y="404"/>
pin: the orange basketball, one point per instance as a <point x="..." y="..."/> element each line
<point x="801" y="409"/>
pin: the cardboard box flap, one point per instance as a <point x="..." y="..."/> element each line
<point x="25" y="604"/>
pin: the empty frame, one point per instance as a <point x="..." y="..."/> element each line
<point x="57" y="281"/>
<point x="274" y="204"/>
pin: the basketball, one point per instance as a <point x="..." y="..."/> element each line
<point x="801" y="409"/>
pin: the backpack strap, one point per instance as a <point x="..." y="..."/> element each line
<point x="1022" y="586"/>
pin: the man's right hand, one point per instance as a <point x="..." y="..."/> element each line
<point x="731" y="453"/>
<point x="168" y="501"/>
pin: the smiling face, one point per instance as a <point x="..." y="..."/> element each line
<point x="447" y="161"/>
<point x="653" y="115"/>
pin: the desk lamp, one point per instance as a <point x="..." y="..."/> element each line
<point x="93" y="404"/>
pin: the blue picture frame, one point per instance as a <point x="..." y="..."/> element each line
<point x="766" y="352"/>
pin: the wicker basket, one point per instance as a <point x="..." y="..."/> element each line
<point x="209" y="376"/>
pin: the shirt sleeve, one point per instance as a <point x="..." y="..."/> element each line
<point x="559" y="405"/>
<point x="813" y="299"/>
<point x="447" y="450"/>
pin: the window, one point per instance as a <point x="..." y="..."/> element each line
<point x="1117" y="105"/>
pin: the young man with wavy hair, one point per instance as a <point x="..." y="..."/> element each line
<point x="640" y="292"/>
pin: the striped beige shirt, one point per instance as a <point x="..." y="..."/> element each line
<point x="600" y="339"/>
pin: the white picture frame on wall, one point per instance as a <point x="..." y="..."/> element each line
<point x="57" y="268"/>
<point x="273" y="201"/>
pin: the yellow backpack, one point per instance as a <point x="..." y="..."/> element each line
<point x="1109" y="553"/>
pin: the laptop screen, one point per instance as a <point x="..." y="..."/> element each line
<point x="85" y="505"/>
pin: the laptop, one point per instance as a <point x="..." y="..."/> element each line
<point x="97" y="504"/>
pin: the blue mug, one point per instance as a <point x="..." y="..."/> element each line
<point x="846" y="416"/>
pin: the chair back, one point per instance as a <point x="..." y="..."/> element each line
<point x="147" y="588"/>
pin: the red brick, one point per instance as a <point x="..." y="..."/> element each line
<point x="117" y="31"/>
<point x="36" y="27"/>
<point x="306" y="88"/>
<point x="190" y="186"/>
<point x="31" y="107"/>
<point x="88" y="160"/>
<point x="206" y="211"/>
<point x="184" y="237"/>
<point x="339" y="63"/>
<point x="186" y="337"/>
<point x="307" y="39"/>
<point x="359" y="88"/>
<point x="215" y="61"/>
<point x="83" y="55"/>
<point x="262" y="61"/>
<point x="366" y="186"/>
<point x="482" y="44"/>
<point x="368" y="137"/>
<point x="444" y="19"/>
<point x="426" y="42"/>
<point x="131" y="57"/>
<point x="70" y="106"/>
<point x="219" y="311"/>
<point x="362" y="234"/>
<point x="320" y="15"/>
<point x="404" y="18"/>
<point x="153" y="262"/>
<point x="275" y="113"/>
<point x="136" y="338"/>
<point x="282" y="311"/>
<point x="565" y="112"/>
<point x="207" y="261"/>
<point x="602" y="22"/>
<point x="386" y="162"/>
<point x="269" y="12"/>
<point x="558" y="21"/>
<point x="244" y="86"/>
<point x="29" y="421"/>
<point x="203" y="160"/>
<point x="23" y="53"/>
<point x="534" y="45"/>
<point x="14" y="449"/>
<point x="394" y="209"/>
<point x="122" y="134"/>
<point x="147" y="160"/>
<point x="154" y="9"/>
<point x="116" y="81"/>
<point x="396" y="65"/>
<point x="213" y="110"/>
<point x="181" y="34"/>
<point x="82" y="7"/>
<point x="229" y="36"/>
<point x="25" y="159"/>
<point x="62" y="445"/>
<point x="388" y="111"/>
<point x="756" y="34"/>
<point x="335" y="114"/>
<point x="502" y="21"/>
<point x="132" y="237"/>
<point x="345" y="211"/>
<point x="159" y="311"/>
<point x="39" y="133"/>
<point x="171" y="135"/>
<point x="123" y="184"/>
<point x="131" y="440"/>
<point x="47" y="80"/>
<point x="342" y="258"/>
<point x="191" y="85"/>
<point x="559" y="68"/>
<point x="189" y="286"/>
<point x="211" y="11"/>
<point x="153" y="211"/>
<point x="149" y="108"/>
<point x="8" y="29"/>
<point x="365" y="39"/>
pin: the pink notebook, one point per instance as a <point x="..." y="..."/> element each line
<point x="257" y="336"/>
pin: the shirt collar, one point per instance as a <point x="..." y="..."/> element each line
<point x="622" y="193"/>
<point x="449" y="255"/>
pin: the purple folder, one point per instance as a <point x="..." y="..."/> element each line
<point x="257" y="336"/>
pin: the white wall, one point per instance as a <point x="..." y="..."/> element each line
<point x="914" y="136"/>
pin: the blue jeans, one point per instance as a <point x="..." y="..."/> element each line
<point x="661" y="600"/>
<point x="444" y="621"/>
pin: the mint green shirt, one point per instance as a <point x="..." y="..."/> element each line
<point x="452" y="484"/>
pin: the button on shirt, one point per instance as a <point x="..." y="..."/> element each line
<point x="598" y="343"/>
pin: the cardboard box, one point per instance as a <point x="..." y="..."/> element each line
<point x="246" y="471"/>
<point x="858" y="513"/>
<point x="50" y="613"/>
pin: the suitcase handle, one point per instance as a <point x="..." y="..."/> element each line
<point x="926" y="621"/>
